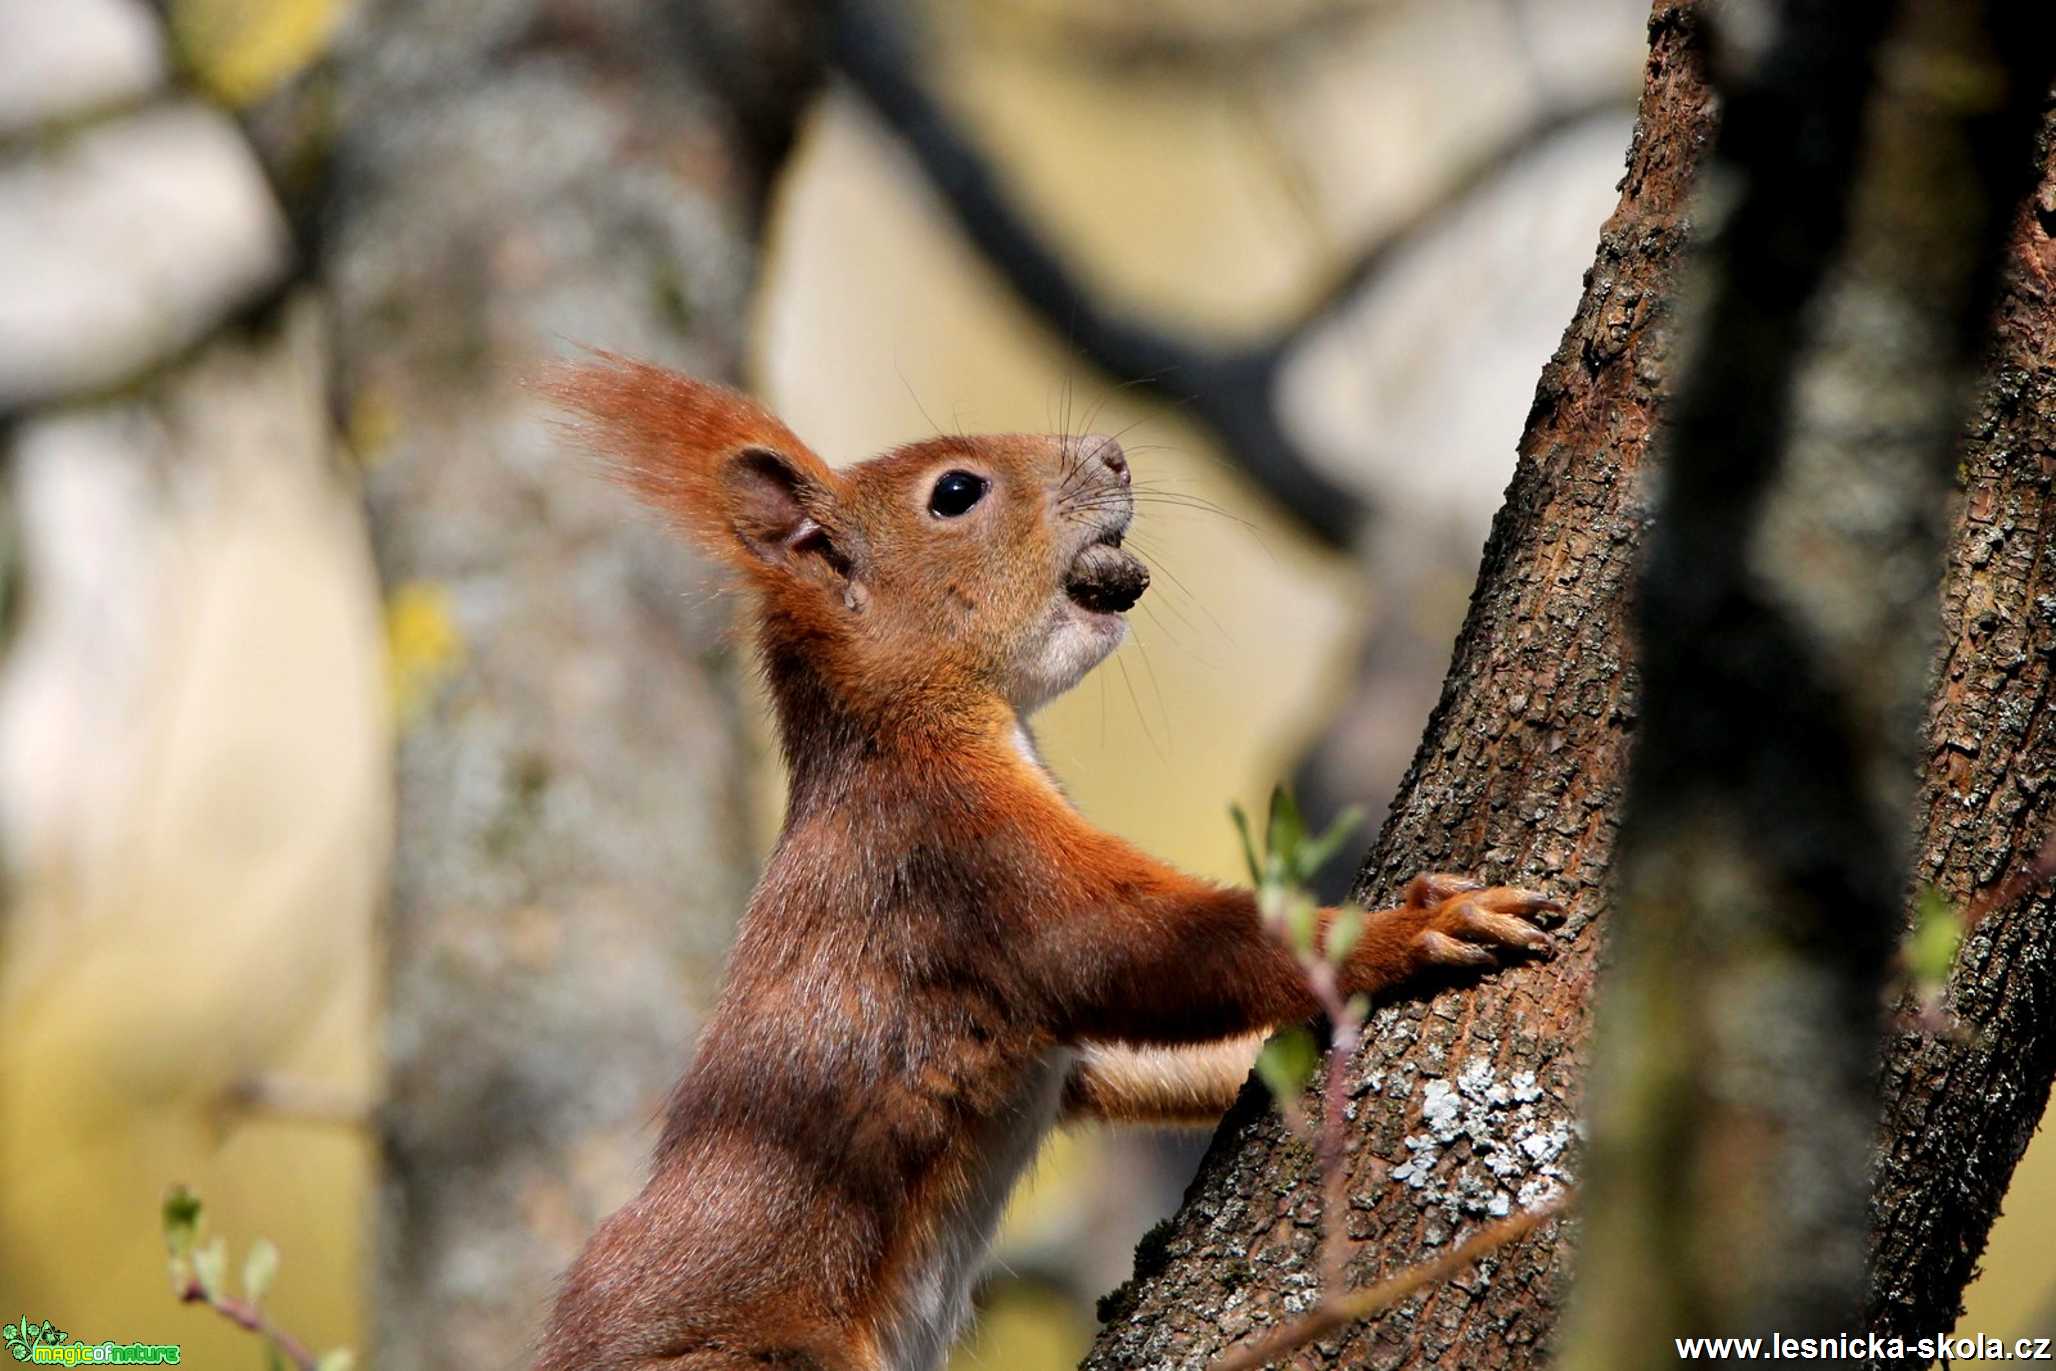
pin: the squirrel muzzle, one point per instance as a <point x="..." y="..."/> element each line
<point x="1106" y="579"/>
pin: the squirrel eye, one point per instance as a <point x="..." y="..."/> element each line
<point x="955" y="493"/>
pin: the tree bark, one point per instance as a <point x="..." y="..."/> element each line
<point x="513" y="179"/>
<point x="1867" y="170"/>
<point x="1520" y="778"/>
<point x="1464" y="1105"/>
<point x="1960" y="1109"/>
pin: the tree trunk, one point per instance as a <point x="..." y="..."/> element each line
<point x="1868" y="175"/>
<point x="1960" y="1109"/>
<point x="573" y="835"/>
<point x="1520" y="778"/>
<point x="1464" y="1105"/>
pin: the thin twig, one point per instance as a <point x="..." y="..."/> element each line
<point x="295" y="1099"/>
<point x="1335" y="1311"/>
<point x="1344" y="1032"/>
<point x="1335" y="1241"/>
<point x="249" y="1316"/>
<point x="1281" y="901"/>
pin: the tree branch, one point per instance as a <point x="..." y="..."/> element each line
<point x="1961" y="1108"/>
<point x="1871" y="161"/>
<point x="1468" y="1102"/>
<point x="1232" y="390"/>
<point x="1519" y="777"/>
<point x="1205" y="50"/>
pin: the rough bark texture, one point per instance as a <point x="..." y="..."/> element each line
<point x="513" y="179"/>
<point x="1463" y="1106"/>
<point x="1519" y="776"/>
<point x="1865" y="176"/>
<point x="1959" y="1112"/>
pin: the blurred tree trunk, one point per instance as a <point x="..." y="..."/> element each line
<point x="510" y="180"/>
<point x="194" y="769"/>
<point x="1465" y="1106"/>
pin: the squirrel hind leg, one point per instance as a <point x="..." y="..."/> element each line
<point x="1188" y="1086"/>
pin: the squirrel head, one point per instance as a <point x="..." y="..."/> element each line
<point x="958" y="566"/>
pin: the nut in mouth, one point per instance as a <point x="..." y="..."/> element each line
<point x="1106" y="579"/>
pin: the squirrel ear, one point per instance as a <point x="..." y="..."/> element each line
<point x="779" y="512"/>
<point x="713" y="460"/>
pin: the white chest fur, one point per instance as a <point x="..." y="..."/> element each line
<point x="939" y="1295"/>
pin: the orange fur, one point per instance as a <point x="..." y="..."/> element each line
<point x="660" y="431"/>
<point x="942" y="954"/>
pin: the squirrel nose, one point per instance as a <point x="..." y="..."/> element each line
<point x="1107" y="452"/>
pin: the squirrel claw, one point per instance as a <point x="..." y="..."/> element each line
<point x="1443" y="950"/>
<point x="1493" y="929"/>
<point x="1529" y="904"/>
<point x="1479" y="926"/>
<point x="1431" y="888"/>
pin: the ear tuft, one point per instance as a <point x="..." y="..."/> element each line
<point x="714" y="461"/>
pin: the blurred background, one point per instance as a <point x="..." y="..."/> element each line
<point x="378" y="790"/>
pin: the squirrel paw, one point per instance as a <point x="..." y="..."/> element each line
<point x="1470" y="924"/>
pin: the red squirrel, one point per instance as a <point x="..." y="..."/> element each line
<point x="943" y="958"/>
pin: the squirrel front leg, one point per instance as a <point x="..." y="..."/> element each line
<point x="1446" y="920"/>
<point x="1136" y="952"/>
